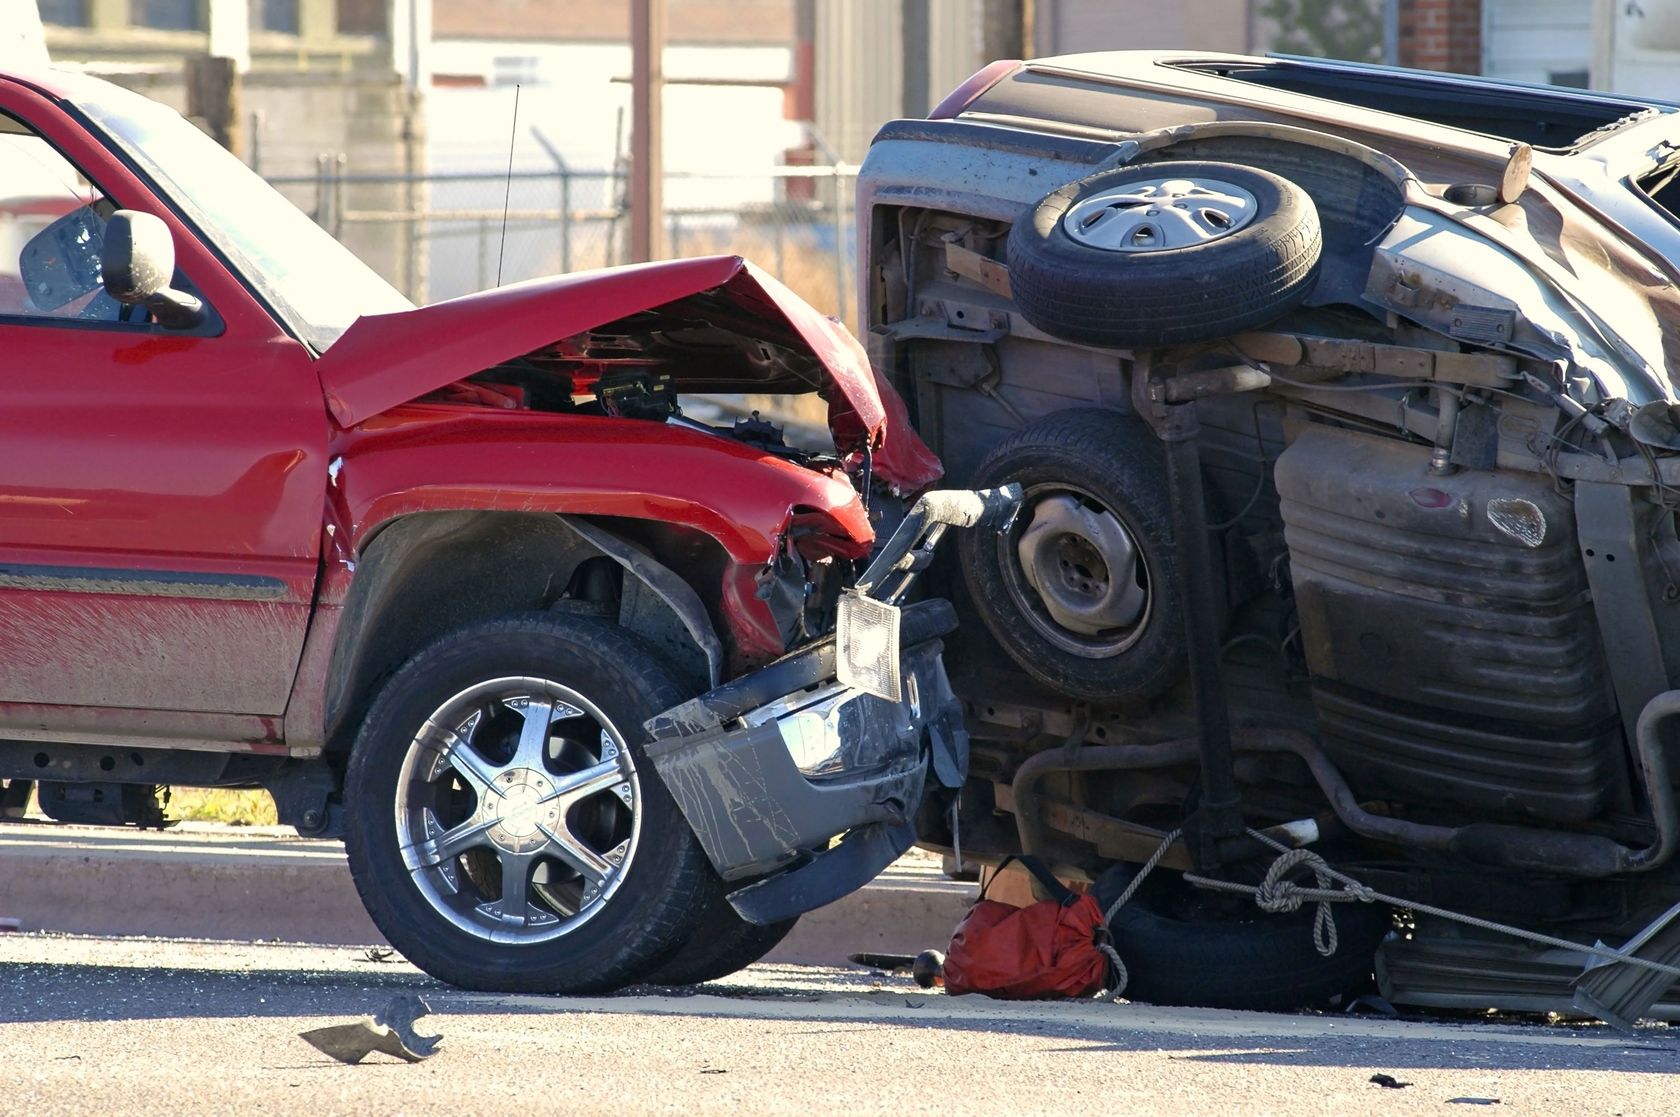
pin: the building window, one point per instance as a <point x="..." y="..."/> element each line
<point x="361" y="17"/>
<point x="275" y="15"/>
<point x="166" y="15"/>
<point x="65" y="13"/>
<point x="1573" y="79"/>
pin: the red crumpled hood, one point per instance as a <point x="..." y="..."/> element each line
<point x="384" y="360"/>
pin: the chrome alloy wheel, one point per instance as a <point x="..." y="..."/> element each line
<point x="518" y="810"/>
<point x="1160" y="213"/>
<point x="1078" y="575"/>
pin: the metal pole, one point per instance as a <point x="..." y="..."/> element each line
<point x="839" y="248"/>
<point x="341" y="164"/>
<point x="563" y="172"/>
<point x="320" y="214"/>
<point x="414" y="193"/>
<point x="483" y="254"/>
<point x="565" y="221"/>
<point x="647" y="170"/>
<point x="913" y="70"/>
<point x="617" y="185"/>
<point x="1003" y="25"/>
<point x="1391" y="32"/>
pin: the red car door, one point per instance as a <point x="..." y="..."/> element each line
<point x="160" y="491"/>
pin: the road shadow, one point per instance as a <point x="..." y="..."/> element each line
<point x="37" y="992"/>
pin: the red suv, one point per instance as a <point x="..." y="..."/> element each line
<point x="424" y="574"/>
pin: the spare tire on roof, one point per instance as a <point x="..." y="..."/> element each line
<point x="1164" y="254"/>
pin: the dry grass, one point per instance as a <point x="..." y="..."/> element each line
<point x="203" y="804"/>
<point x="233" y="808"/>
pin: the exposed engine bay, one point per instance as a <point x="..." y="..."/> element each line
<point x="625" y="370"/>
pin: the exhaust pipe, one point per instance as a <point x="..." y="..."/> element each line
<point x="1512" y="847"/>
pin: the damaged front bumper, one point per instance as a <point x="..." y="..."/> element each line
<point x="833" y="740"/>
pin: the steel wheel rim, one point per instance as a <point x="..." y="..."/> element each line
<point x="518" y="782"/>
<point x="1160" y="213"/>
<point x="1038" y="588"/>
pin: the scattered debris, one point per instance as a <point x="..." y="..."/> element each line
<point x="1472" y="1101"/>
<point x="1370" y="1002"/>
<point x="1389" y="1082"/>
<point x="713" y="1070"/>
<point x="889" y="963"/>
<point x="1620" y="994"/>
<point x="929" y="969"/>
<point x="390" y="1030"/>
<point x="379" y="954"/>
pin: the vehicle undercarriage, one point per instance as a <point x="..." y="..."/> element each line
<point x="1377" y="556"/>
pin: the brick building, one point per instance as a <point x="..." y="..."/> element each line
<point x="1441" y="35"/>
<point x="1616" y="45"/>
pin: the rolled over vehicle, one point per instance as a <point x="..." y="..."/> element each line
<point x="462" y="583"/>
<point x="1344" y="403"/>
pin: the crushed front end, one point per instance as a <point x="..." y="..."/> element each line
<point x="843" y="738"/>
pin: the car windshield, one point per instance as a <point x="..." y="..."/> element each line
<point x="316" y="284"/>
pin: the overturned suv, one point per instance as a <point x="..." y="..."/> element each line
<point x="461" y="583"/>
<point x="1344" y="402"/>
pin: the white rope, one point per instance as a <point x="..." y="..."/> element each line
<point x="1121" y="975"/>
<point x="1354" y="890"/>
<point x="1277" y="894"/>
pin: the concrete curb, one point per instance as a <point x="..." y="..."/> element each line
<point x="217" y="882"/>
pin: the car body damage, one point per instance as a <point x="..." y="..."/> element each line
<point x="764" y="514"/>
<point x="713" y="324"/>
<point x="487" y="543"/>
<point x="1345" y="404"/>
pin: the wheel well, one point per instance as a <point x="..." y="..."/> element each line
<point x="427" y="575"/>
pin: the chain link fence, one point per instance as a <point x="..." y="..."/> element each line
<point x="443" y="235"/>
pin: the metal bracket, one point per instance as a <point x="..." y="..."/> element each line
<point x="1610" y="538"/>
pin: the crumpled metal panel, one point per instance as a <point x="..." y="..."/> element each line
<point x="384" y="360"/>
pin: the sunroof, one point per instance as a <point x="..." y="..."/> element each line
<point x="1544" y="116"/>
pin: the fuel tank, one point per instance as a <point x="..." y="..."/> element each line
<point x="1449" y="631"/>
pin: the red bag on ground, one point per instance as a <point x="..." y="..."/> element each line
<point x="1044" y="951"/>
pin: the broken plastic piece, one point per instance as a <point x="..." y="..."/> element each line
<point x="390" y="1030"/>
<point x="1619" y="994"/>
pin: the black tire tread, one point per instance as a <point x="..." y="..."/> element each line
<point x="633" y="669"/>
<point x="722" y="943"/>
<point x="1264" y="964"/>
<point x="1173" y="296"/>
<point x="1110" y="452"/>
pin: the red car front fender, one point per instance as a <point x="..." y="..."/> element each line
<point x="434" y="458"/>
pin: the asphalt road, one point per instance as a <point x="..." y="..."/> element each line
<point x="149" y="1026"/>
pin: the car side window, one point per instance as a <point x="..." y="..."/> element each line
<point x="52" y="227"/>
